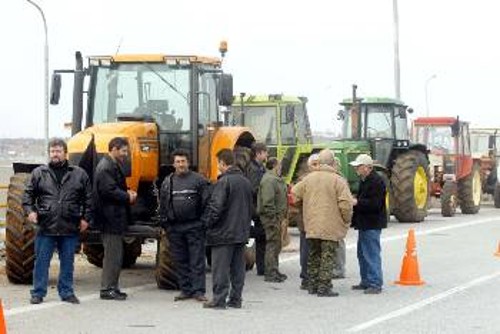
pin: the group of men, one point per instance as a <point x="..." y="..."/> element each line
<point x="61" y="201"/>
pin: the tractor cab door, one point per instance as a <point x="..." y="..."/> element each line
<point x="463" y="151"/>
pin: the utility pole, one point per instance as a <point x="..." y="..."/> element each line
<point x="46" y="74"/>
<point x="397" y="75"/>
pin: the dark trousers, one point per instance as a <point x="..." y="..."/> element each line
<point x="304" y="255"/>
<point x="112" y="262"/>
<point x="228" y="269"/>
<point x="44" y="249"/>
<point x="188" y="252"/>
<point x="260" y="246"/>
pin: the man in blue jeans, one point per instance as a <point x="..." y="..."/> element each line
<point x="369" y="219"/>
<point x="58" y="201"/>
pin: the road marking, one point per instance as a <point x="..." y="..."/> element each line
<point x="49" y="305"/>
<point x="414" y="307"/>
<point x="405" y="235"/>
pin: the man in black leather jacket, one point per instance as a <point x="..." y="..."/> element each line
<point x="183" y="197"/>
<point x="58" y="199"/>
<point x="112" y="203"/>
<point x="227" y="218"/>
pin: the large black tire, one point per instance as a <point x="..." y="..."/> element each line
<point x="166" y="277"/>
<point x="410" y="187"/>
<point x="496" y="196"/>
<point x="449" y="199"/>
<point x="131" y="251"/>
<point x="19" y="234"/>
<point x="469" y="191"/>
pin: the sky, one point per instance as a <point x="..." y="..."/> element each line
<point x="312" y="48"/>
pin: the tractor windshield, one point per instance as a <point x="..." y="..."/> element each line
<point x="152" y="91"/>
<point x="437" y="138"/>
<point x="261" y="119"/>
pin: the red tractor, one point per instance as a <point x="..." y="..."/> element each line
<point x="455" y="174"/>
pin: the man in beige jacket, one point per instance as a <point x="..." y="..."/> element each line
<point x="327" y="212"/>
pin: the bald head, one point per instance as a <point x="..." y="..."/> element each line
<point x="326" y="157"/>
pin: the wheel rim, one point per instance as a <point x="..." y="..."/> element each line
<point x="476" y="188"/>
<point x="420" y="187"/>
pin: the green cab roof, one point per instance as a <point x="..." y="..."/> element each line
<point x="271" y="99"/>
<point x="374" y="100"/>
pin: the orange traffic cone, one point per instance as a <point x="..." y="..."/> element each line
<point x="409" y="269"/>
<point x="3" y="326"/>
<point x="498" y="250"/>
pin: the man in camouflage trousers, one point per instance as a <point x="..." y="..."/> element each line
<point x="327" y="213"/>
<point x="272" y="207"/>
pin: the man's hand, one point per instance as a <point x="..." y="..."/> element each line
<point x="354" y="201"/>
<point x="84" y="225"/>
<point x="132" y="196"/>
<point x="33" y="217"/>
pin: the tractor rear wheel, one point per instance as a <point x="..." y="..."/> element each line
<point x="166" y="278"/>
<point x="496" y="196"/>
<point x="131" y="251"/>
<point x="19" y="234"/>
<point x="469" y="191"/>
<point x="449" y="199"/>
<point x="410" y="187"/>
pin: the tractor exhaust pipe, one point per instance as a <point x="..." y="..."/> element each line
<point x="78" y="95"/>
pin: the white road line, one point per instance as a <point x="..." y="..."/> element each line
<point x="423" y="303"/>
<point x="49" y="305"/>
<point x="405" y="235"/>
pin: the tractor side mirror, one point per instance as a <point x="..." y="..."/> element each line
<point x="55" y="89"/>
<point x="289" y="115"/>
<point x="226" y="90"/>
<point x="455" y="128"/>
<point x="409" y="110"/>
<point x="492" y="143"/>
<point x="341" y="115"/>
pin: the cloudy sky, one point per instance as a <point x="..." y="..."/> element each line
<point x="312" y="48"/>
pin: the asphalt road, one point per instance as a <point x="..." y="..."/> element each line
<point x="456" y="261"/>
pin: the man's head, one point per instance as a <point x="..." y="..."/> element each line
<point x="273" y="164"/>
<point x="57" y="151"/>
<point x="225" y="159"/>
<point x="181" y="161"/>
<point x="313" y="161"/>
<point x="259" y="151"/>
<point x="363" y="165"/>
<point x="118" y="148"/>
<point x="326" y="157"/>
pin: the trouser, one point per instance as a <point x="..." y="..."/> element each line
<point x="188" y="253"/>
<point x="44" y="250"/>
<point x="320" y="264"/>
<point x="304" y="255"/>
<point x="272" y="227"/>
<point x="228" y="269"/>
<point x="112" y="262"/>
<point x="370" y="262"/>
<point x="260" y="246"/>
<point x="339" y="264"/>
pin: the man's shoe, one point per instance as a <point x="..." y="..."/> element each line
<point x="36" y="300"/>
<point x="312" y="290"/>
<point x="373" y="290"/>
<point x="234" y="304"/>
<point x="182" y="296"/>
<point x="274" y="279"/>
<point x="359" y="287"/>
<point x="327" y="293"/>
<point x="282" y="276"/>
<point x="304" y="285"/>
<point x="71" y="299"/>
<point x="201" y="298"/>
<point x="121" y="293"/>
<point x="112" y="295"/>
<point x="214" y="306"/>
<point x="260" y="273"/>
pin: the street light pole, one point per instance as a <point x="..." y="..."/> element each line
<point x="46" y="73"/>
<point x="397" y="75"/>
<point x="427" y="111"/>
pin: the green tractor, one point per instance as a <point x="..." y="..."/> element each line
<point x="379" y="127"/>
<point x="279" y="121"/>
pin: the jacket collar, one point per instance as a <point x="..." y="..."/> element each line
<point x="326" y="168"/>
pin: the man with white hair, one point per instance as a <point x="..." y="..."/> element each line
<point x="369" y="219"/>
<point x="327" y="212"/>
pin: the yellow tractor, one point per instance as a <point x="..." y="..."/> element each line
<point x="159" y="103"/>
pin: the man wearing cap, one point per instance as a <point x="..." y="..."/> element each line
<point x="327" y="212"/>
<point x="369" y="219"/>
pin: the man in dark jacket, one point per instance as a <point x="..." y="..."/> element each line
<point x="112" y="203"/>
<point x="254" y="173"/>
<point x="272" y="205"/>
<point x="58" y="199"/>
<point x="227" y="218"/>
<point x="183" y="197"/>
<point x="369" y="219"/>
